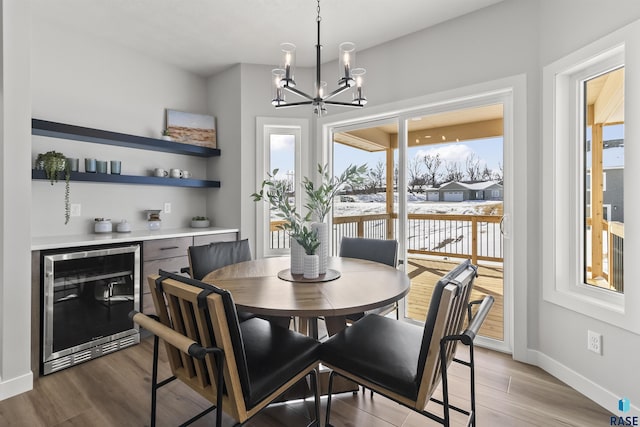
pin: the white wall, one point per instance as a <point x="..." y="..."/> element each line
<point x="15" y="187"/>
<point x="87" y="81"/>
<point x="236" y="97"/>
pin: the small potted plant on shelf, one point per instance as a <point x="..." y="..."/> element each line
<point x="200" y="222"/>
<point x="166" y="135"/>
<point x="52" y="163"/>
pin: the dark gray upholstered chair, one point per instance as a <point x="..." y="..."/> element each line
<point x="382" y="251"/>
<point x="405" y="362"/>
<point x="239" y="367"/>
<point x="206" y="258"/>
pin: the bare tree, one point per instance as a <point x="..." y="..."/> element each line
<point x="486" y="173"/>
<point x="377" y="176"/>
<point x="396" y="175"/>
<point x="453" y="172"/>
<point x="416" y="177"/>
<point x="433" y="163"/>
<point x="472" y="167"/>
<point x="499" y="174"/>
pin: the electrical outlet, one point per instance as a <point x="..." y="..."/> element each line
<point x="75" y="209"/>
<point x="167" y="207"/>
<point x="594" y="342"/>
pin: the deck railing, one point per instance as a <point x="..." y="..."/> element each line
<point x="613" y="251"/>
<point x="475" y="236"/>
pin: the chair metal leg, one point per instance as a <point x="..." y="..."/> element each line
<point x="329" y="390"/>
<point x="316" y="398"/>
<point x="472" y="374"/>
<point x="154" y="380"/>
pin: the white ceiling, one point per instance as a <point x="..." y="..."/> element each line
<point x="207" y="36"/>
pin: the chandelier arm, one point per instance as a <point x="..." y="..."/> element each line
<point x="344" y="104"/>
<point x="294" y="104"/>
<point x="298" y="92"/>
<point x="336" y="92"/>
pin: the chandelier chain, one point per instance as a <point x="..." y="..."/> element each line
<point x="318" y="19"/>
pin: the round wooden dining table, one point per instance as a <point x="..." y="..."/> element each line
<point x="362" y="285"/>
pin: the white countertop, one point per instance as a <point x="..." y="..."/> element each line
<point x="55" y="242"/>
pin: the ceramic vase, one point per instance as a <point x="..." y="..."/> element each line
<point x="297" y="257"/>
<point x="311" y="264"/>
<point x="322" y="230"/>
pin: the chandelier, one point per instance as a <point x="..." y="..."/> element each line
<point x="349" y="77"/>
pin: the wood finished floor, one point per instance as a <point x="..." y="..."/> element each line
<point x="114" y="391"/>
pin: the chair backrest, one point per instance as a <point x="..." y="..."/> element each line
<point x="445" y="317"/>
<point x="382" y="251"/>
<point x="206" y="258"/>
<point x="207" y="315"/>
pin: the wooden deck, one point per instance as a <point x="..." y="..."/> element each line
<point x="424" y="273"/>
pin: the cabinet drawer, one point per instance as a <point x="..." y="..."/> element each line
<point x="210" y="238"/>
<point x="172" y="265"/>
<point x="166" y="248"/>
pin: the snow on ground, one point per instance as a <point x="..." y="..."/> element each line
<point x="370" y="204"/>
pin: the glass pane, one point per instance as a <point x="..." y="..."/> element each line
<point x="282" y="154"/>
<point x="455" y="190"/>
<point x="367" y="210"/>
<point x="603" y="175"/>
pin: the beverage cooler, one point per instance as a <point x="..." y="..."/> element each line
<point x="87" y="295"/>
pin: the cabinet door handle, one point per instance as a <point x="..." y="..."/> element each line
<point x="169" y="247"/>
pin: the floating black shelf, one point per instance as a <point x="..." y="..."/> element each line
<point x="130" y="179"/>
<point x="79" y="133"/>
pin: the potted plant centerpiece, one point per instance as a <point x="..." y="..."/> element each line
<point x="277" y="192"/>
<point x="53" y="162"/>
<point x="320" y="201"/>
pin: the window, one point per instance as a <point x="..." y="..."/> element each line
<point x="584" y="166"/>
<point x="602" y="112"/>
<point x="279" y="146"/>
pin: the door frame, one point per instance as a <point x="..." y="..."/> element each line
<point x="511" y="92"/>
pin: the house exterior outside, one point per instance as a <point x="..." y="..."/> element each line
<point x="461" y="191"/>
<point x="613" y="194"/>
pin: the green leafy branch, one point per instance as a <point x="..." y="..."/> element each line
<point x="319" y="200"/>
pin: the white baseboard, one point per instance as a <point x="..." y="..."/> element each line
<point x="603" y="397"/>
<point x="15" y="386"/>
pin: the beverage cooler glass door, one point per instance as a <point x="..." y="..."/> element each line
<point x="88" y="295"/>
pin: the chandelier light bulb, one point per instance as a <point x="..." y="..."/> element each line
<point x="346" y="61"/>
<point x="277" y="92"/>
<point x="358" y="93"/>
<point x="288" y="64"/>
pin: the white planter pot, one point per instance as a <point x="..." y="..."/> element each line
<point x="311" y="267"/>
<point x="297" y="257"/>
<point x="322" y="230"/>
